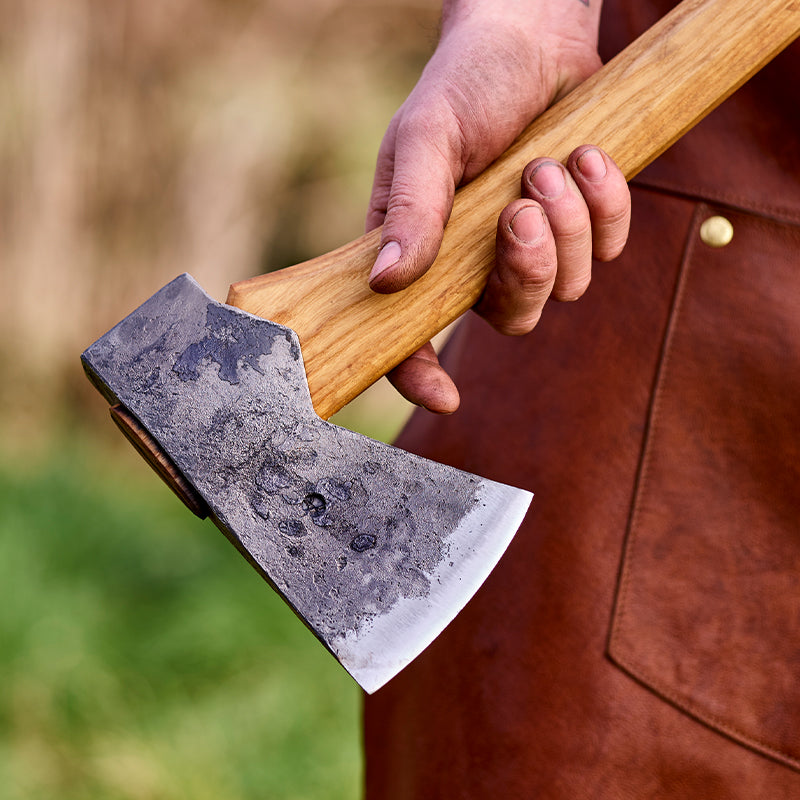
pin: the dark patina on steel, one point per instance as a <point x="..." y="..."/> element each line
<point x="344" y="527"/>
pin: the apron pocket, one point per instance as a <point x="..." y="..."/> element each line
<point x="708" y="606"/>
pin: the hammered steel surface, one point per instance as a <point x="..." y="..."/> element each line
<point x="344" y="527"/>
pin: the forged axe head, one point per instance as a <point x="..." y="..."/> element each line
<point x="375" y="549"/>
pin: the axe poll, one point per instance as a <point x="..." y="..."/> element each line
<point x="374" y="548"/>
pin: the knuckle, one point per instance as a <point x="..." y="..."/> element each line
<point x="535" y="276"/>
<point x="511" y="308"/>
<point x="574" y="238"/>
<point x="517" y="327"/>
<point x="618" y="216"/>
<point x="407" y="208"/>
<point x="574" y="247"/>
<point x="526" y="272"/>
<point x="510" y="319"/>
<point x="572" y="289"/>
<point x="611" y="235"/>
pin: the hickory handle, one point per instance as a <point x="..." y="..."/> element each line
<point x="634" y="108"/>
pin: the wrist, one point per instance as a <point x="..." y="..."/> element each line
<point x="558" y="37"/>
<point x="577" y="19"/>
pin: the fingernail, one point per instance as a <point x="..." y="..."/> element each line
<point x="528" y="224"/>
<point x="548" y="180"/>
<point x="387" y="257"/>
<point x="592" y="165"/>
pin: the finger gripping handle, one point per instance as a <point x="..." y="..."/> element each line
<point x="634" y="108"/>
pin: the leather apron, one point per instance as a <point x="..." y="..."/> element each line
<point x="641" y="636"/>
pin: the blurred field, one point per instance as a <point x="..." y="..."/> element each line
<point x="140" y="140"/>
<point x="141" y="657"/>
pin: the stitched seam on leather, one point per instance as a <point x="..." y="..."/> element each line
<point x="686" y="704"/>
<point x="618" y="652"/>
<point x="739" y="202"/>
<point x="629" y="552"/>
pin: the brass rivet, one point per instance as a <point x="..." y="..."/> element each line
<point x="716" y="232"/>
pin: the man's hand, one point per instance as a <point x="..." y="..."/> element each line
<point x="499" y="64"/>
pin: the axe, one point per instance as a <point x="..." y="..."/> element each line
<point x="374" y="548"/>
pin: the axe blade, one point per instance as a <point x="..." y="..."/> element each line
<point x="375" y="549"/>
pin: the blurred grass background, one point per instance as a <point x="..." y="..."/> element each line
<point x="141" y="657"/>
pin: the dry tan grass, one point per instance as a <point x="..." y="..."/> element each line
<point x="140" y="140"/>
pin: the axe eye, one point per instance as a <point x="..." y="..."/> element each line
<point x="155" y="456"/>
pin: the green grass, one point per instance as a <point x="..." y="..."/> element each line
<point x="141" y="657"/>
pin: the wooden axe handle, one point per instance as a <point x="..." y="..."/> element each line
<point x="635" y="107"/>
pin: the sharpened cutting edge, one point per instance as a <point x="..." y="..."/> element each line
<point x="394" y="639"/>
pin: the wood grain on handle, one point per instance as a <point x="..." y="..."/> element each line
<point x="635" y="107"/>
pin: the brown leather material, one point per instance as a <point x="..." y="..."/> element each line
<point x="745" y="154"/>
<point x="518" y="697"/>
<point x="641" y="636"/>
<point x="712" y="561"/>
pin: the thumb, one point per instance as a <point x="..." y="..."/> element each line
<point x="417" y="202"/>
